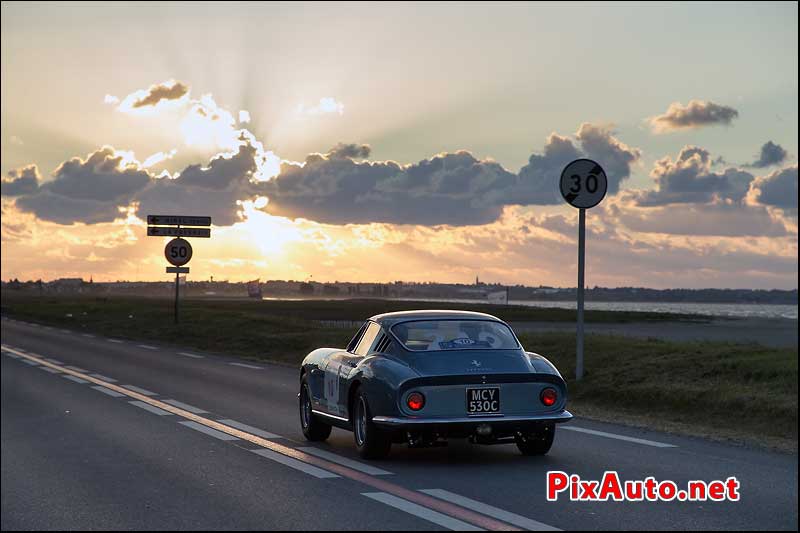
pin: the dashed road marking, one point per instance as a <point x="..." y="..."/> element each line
<point x="294" y="463"/>
<point x="488" y="510"/>
<point x="110" y="392"/>
<point x="76" y="369"/>
<point x="421" y="512"/>
<point x="243" y="365"/>
<point x="250" y="429"/>
<point x="76" y="380"/>
<point x="148" y="407"/>
<point x="618" y="437"/>
<point x="29" y="362"/>
<point x="54" y="361"/>
<point x="116" y="341"/>
<point x="51" y="370"/>
<point x="104" y="378"/>
<point x="87" y="335"/>
<point x="355" y="465"/>
<point x="140" y="390"/>
<point x="193" y="355"/>
<point x="147" y="347"/>
<point x="207" y="430"/>
<point x="186" y="407"/>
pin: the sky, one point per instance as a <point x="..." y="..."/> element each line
<point x="378" y="142"/>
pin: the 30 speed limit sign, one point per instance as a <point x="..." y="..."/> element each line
<point x="178" y="252"/>
<point x="583" y="183"/>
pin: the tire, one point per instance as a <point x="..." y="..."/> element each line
<point x="314" y="429"/>
<point x="537" y="442"/>
<point x="371" y="442"/>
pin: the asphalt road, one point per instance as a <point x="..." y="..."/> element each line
<point x="99" y="433"/>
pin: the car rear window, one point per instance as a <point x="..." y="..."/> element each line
<point x="437" y="335"/>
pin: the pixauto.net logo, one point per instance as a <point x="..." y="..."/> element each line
<point x="611" y="488"/>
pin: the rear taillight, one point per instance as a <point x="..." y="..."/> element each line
<point x="549" y="397"/>
<point x="415" y="401"/>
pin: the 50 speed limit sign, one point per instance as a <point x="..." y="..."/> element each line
<point x="178" y="252"/>
<point x="583" y="183"/>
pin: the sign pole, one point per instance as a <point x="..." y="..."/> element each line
<point x="178" y="251"/>
<point x="581" y="262"/>
<point x="177" y="284"/>
<point x="583" y="185"/>
<point x="177" y="288"/>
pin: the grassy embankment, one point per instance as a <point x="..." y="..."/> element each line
<point x="727" y="391"/>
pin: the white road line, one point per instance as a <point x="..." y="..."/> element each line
<point x="207" y="430"/>
<point x="187" y="354"/>
<point x="294" y="463"/>
<point x="64" y="331"/>
<point x="89" y="335"/>
<point x="421" y="512"/>
<point x="54" y="361"/>
<point x="344" y="461"/>
<point x="488" y="510"/>
<point x="147" y="347"/>
<point x="28" y="362"/>
<point x="246" y="366"/>
<point x="51" y="370"/>
<point x="116" y="341"/>
<point x="76" y="380"/>
<point x="618" y="437"/>
<point x="140" y="391"/>
<point x="11" y="355"/>
<point x="148" y="407"/>
<point x="186" y="407"/>
<point x="110" y="392"/>
<point x="104" y="378"/>
<point x="76" y="369"/>
<point x="250" y="429"/>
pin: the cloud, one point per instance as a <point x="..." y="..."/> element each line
<point x="452" y="188"/>
<point x="110" y="99"/>
<point x="614" y="156"/>
<point x="719" y="219"/>
<point x="778" y="189"/>
<point x="694" y="115"/>
<point x="21" y="181"/>
<point x="108" y="182"/>
<point x="689" y="179"/>
<point x="159" y="157"/>
<point x="771" y="154"/>
<point x="90" y="190"/>
<point x="351" y="151"/>
<point x="326" y="105"/>
<point x="170" y="90"/>
<point x="244" y="116"/>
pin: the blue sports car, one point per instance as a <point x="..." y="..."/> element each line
<point x="422" y="377"/>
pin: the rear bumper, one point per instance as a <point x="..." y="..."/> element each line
<point x="464" y="422"/>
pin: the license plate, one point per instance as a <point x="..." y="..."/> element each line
<point x="483" y="400"/>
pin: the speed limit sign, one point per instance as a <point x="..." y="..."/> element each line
<point x="583" y="183"/>
<point x="178" y="252"/>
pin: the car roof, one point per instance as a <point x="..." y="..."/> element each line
<point x="390" y="319"/>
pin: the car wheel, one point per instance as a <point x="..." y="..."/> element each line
<point x="371" y="442"/>
<point x="314" y="429"/>
<point x="536" y="442"/>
